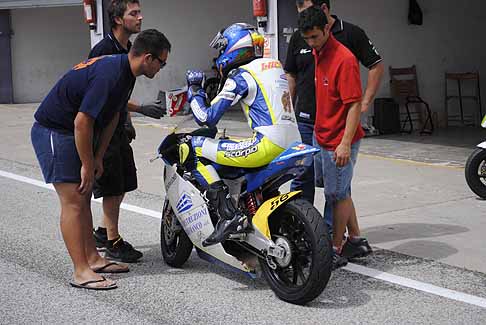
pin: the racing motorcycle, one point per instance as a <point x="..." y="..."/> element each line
<point x="475" y="169"/>
<point x="284" y="233"/>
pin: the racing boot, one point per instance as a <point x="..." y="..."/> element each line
<point x="230" y="219"/>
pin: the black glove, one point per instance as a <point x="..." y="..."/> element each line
<point x="153" y="109"/>
<point x="130" y="131"/>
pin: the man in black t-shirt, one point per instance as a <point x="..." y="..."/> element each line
<point x="299" y="66"/>
<point x="120" y="174"/>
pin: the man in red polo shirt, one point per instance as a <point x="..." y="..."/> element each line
<point x="337" y="127"/>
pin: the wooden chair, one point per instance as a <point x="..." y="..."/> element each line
<point x="405" y="91"/>
<point x="476" y="97"/>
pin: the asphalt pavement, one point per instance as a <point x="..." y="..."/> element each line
<point x="425" y="225"/>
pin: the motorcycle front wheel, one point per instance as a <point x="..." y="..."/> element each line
<point x="175" y="244"/>
<point x="475" y="172"/>
<point x="301" y="276"/>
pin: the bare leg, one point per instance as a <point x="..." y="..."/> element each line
<point x="73" y="227"/>
<point x="342" y="213"/>
<point x="353" y="226"/>
<point x="111" y="213"/>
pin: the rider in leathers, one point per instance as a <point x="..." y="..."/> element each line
<point x="261" y="87"/>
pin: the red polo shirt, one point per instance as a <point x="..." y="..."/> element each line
<point x="338" y="84"/>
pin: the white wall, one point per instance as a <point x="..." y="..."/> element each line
<point x="46" y="43"/>
<point x="190" y="25"/>
<point x="451" y="39"/>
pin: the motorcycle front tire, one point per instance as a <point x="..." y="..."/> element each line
<point x="471" y="171"/>
<point x="177" y="252"/>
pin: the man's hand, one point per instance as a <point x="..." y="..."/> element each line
<point x="130" y="131"/>
<point x="87" y="179"/>
<point x="364" y="106"/>
<point x="153" y="109"/>
<point x="98" y="167"/>
<point x="342" y="154"/>
<point x="195" y="78"/>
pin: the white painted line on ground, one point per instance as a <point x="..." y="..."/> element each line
<point x="376" y="274"/>
<point x="124" y="206"/>
<point x="417" y="285"/>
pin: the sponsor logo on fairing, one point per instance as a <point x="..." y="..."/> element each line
<point x="184" y="203"/>
<point x="299" y="147"/>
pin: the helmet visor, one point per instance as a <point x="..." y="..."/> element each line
<point x="219" y="42"/>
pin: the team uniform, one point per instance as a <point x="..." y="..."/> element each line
<point x="262" y="89"/>
<point x="99" y="87"/>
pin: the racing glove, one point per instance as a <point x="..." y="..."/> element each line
<point x="130" y="131"/>
<point x="195" y="78"/>
<point x="153" y="109"/>
<point x="195" y="81"/>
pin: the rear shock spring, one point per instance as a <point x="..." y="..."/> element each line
<point x="251" y="204"/>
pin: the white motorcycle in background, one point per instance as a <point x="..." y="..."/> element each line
<point x="475" y="169"/>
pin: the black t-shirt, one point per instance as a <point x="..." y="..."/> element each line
<point x="107" y="46"/>
<point x="300" y="62"/>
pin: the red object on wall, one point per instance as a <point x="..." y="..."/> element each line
<point x="259" y="8"/>
<point x="90" y="11"/>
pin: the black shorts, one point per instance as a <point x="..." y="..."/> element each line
<point x="120" y="173"/>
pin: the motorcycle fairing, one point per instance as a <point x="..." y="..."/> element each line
<point x="260" y="219"/>
<point x="297" y="157"/>
<point x="482" y="145"/>
<point x="192" y="213"/>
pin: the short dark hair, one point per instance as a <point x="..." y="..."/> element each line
<point x="312" y="17"/>
<point x="316" y="3"/>
<point x="117" y="8"/>
<point x="321" y="2"/>
<point x="150" y="41"/>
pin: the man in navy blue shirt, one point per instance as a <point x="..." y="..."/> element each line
<point x="74" y="125"/>
<point x="126" y="19"/>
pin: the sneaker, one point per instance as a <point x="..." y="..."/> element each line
<point x="338" y="260"/>
<point x="101" y="238"/>
<point x="122" y="251"/>
<point x="356" y="248"/>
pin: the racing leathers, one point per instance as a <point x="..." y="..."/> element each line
<point x="262" y="89"/>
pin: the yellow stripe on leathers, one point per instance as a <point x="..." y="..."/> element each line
<point x="260" y="219"/>
<point x="265" y="96"/>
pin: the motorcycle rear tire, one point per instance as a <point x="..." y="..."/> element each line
<point x="471" y="172"/>
<point x="174" y="255"/>
<point x="321" y="252"/>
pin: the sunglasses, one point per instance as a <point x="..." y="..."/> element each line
<point x="162" y="63"/>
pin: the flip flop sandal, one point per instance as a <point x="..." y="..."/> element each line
<point x="103" y="269"/>
<point x="86" y="285"/>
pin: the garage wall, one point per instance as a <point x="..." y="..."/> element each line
<point x="46" y="43"/>
<point x="449" y="40"/>
<point x="189" y="25"/>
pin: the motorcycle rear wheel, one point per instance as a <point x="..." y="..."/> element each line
<point x="301" y="226"/>
<point x="475" y="172"/>
<point x="175" y="245"/>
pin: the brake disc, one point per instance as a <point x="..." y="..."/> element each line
<point x="287" y="258"/>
